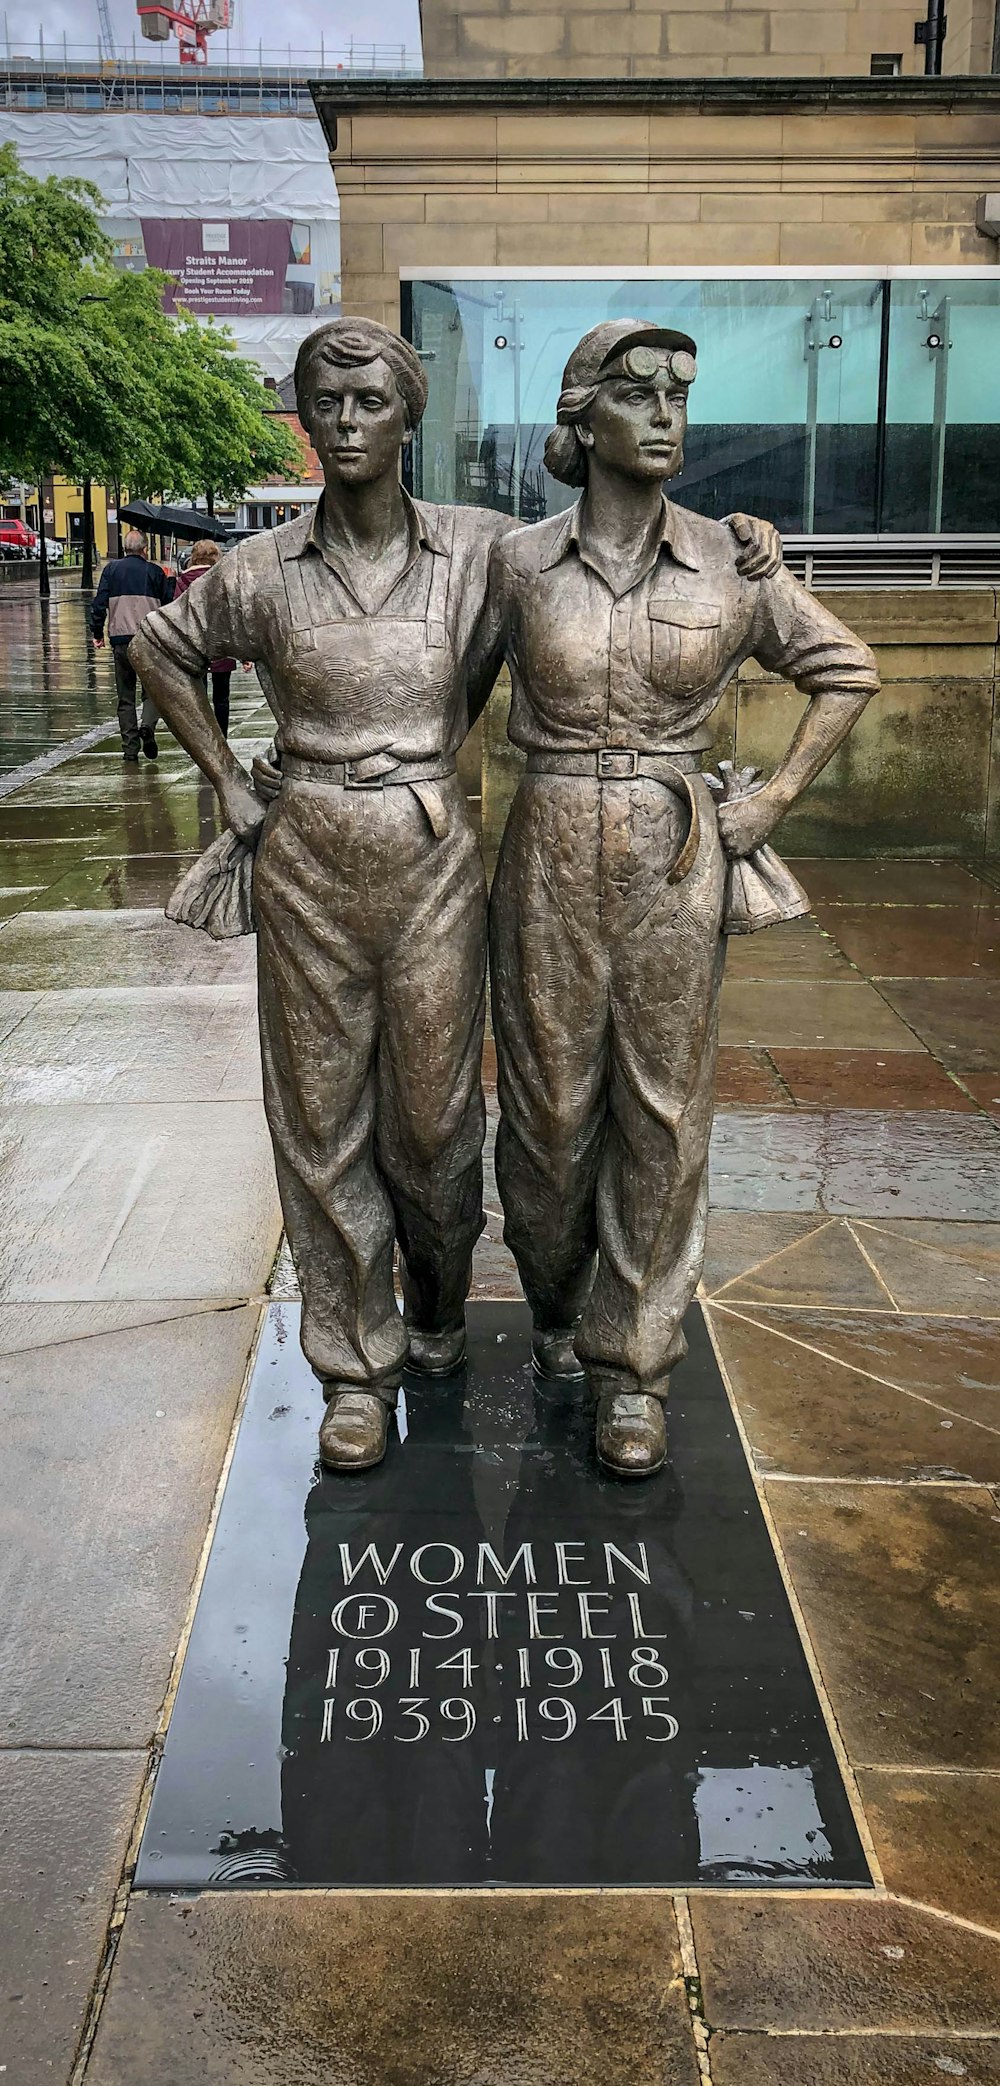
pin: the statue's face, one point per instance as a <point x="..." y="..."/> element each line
<point x="356" y="421"/>
<point x="638" y="428"/>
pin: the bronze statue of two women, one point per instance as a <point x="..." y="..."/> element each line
<point x="379" y="625"/>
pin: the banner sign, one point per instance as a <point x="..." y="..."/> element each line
<point x="225" y="268"/>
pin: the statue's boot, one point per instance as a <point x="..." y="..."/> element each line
<point x="631" y="1434"/>
<point x="354" y="1430"/>
<point x="553" y="1354"/>
<point x="436" y="1354"/>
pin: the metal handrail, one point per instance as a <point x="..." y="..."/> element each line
<point x="57" y="55"/>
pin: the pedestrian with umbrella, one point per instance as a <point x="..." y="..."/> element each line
<point x="129" y="588"/>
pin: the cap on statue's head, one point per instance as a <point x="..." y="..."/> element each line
<point x="627" y="348"/>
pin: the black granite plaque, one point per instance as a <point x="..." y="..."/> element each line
<point x="488" y="1662"/>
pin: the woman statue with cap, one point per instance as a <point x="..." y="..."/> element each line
<point x="623" y="621"/>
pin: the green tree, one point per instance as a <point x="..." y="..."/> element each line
<point x="98" y="382"/>
<point x="204" y="424"/>
<point x="65" y="400"/>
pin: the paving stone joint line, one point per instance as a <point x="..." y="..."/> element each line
<point x="812" y="1347"/>
<point x="798" y="1615"/>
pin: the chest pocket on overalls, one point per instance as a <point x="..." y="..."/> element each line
<point x="684" y="644"/>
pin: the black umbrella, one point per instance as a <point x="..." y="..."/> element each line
<point x="173" y="521"/>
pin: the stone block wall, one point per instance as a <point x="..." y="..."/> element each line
<point x="919" y="775"/>
<point x="636" y="39"/>
<point x="435" y="178"/>
<point x="434" y="184"/>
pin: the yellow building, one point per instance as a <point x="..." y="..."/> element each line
<point x="67" y="513"/>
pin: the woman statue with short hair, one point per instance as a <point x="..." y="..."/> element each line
<point x="368" y="891"/>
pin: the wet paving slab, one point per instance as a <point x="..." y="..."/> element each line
<point x="878" y="1405"/>
<point x="99" y="1200"/>
<point x="869" y="1079"/>
<point x="127" y="1422"/>
<point x="954" y="1362"/>
<point x="748" y="1078"/>
<point x="140" y="1214"/>
<point x="807" y="1413"/>
<point x="825" y="1265"/>
<point x="66" y="1822"/>
<point x="900" y="1590"/>
<point x="830" y="881"/>
<point x="794" y="949"/>
<point x="57" y="951"/>
<point x="938" y="1838"/>
<point x="800" y="1013"/>
<point x="957" y="1018"/>
<point x="832" y="1967"/>
<point x="920" y="941"/>
<point x="113" y="883"/>
<point x="259" y="1990"/>
<point x="953" y="1267"/>
<point x="906" y="1163"/>
<point x="855" y="2060"/>
<point x="140" y="1044"/>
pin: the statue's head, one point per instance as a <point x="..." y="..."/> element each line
<point x="623" y="403"/>
<point x="360" y="392"/>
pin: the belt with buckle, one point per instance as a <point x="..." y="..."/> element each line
<point x="369" y="771"/>
<point x="613" y="763"/>
<point x="630" y="764"/>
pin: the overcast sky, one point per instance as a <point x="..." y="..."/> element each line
<point x="298" y="22"/>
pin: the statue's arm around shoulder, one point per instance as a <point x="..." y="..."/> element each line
<point x="489" y="639"/>
<point x="796" y="636"/>
<point x="171" y="653"/>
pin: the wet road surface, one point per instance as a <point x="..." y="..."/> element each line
<point x="853" y="1287"/>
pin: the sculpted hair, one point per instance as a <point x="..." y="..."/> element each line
<point x="565" y="458"/>
<point x="347" y="344"/>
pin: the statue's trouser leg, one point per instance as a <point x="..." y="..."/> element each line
<point x="605" y="990"/>
<point x="371" y="934"/>
<point x="430" y="1112"/>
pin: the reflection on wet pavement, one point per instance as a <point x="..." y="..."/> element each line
<point x="138" y="1220"/>
<point x="852" y="1284"/>
<point x="641" y="1732"/>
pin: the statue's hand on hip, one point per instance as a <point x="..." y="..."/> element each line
<point x="266" y="775"/>
<point x="746" y="821"/>
<point x="243" y="811"/>
<point x="762" y="554"/>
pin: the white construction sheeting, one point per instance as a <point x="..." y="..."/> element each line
<point x="204" y="167"/>
<point x="184" y="166"/>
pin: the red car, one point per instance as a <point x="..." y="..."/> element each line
<point x="17" y="540"/>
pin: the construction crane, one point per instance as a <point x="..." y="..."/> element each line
<point x="191" y="21"/>
<point x="107" y="34"/>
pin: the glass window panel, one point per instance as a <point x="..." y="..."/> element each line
<point x="782" y="418"/>
<point x="943" y="407"/>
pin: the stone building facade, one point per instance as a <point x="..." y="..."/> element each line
<point x="590" y="174"/>
<point x="644" y="39"/>
<point x="487" y="210"/>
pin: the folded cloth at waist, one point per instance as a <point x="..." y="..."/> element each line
<point x="369" y="771"/>
<point x="613" y="763"/>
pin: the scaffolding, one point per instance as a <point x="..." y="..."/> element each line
<point x="62" y="75"/>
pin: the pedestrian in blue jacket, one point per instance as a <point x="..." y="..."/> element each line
<point x="129" y="588"/>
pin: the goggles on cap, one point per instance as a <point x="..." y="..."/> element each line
<point x="645" y="364"/>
